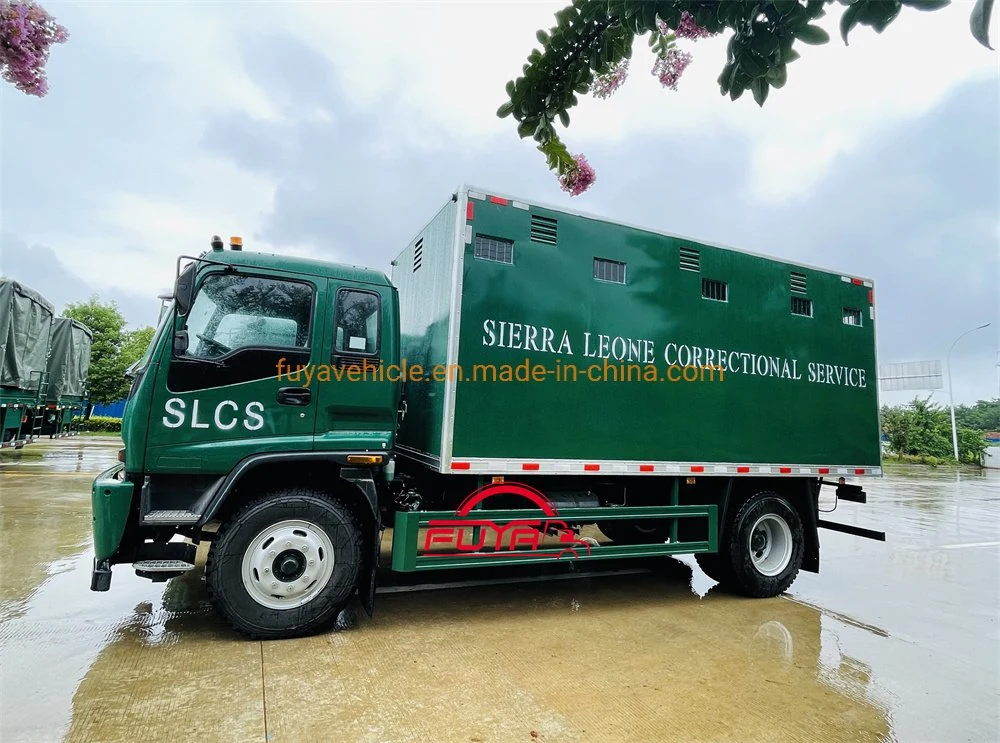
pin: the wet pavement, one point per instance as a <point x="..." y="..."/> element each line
<point x="891" y="641"/>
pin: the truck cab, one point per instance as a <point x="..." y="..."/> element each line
<point x="263" y="373"/>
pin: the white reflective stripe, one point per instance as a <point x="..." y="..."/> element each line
<point x="846" y="278"/>
<point x="477" y="195"/>
<point x="868" y="284"/>
<point x="519" y="205"/>
<point x="871" y="313"/>
<point x="468" y="234"/>
<point x="579" y="467"/>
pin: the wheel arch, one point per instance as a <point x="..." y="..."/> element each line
<point x="801" y="492"/>
<point x="320" y="471"/>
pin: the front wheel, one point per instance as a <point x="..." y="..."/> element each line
<point x="765" y="546"/>
<point x="285" y="565"/>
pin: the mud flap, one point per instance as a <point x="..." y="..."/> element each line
<point x="366" y="587"/>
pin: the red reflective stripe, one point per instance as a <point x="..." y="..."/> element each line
<point x="859" y="472"/>
<point x="645" y="468"/>
<point x="529" y="466"/>
<point x="824" y="470"/>
<point x="784" y="470"/>
<point x="460" y="465"/>
<point x="697" y="468"/>
<point x="742" y="469"/>
<point x="498" y="200"/>
<point x="591" y="467"/>
<point x="859" y="282"/>
<point x="871" y="297"/>
<point x="468" y="211"/>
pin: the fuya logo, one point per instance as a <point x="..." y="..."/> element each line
<point x="225" y="417"/>
<point x="512" y="537"/>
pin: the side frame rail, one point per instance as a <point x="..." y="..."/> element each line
<point x="439" y="540"/>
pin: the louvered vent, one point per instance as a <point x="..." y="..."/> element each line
<point x="798" y="283"/>
<point x="690" y="259"/>
<point x="418" y="253"/>
<point x="543" y="229"/>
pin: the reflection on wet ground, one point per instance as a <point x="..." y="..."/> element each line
<point x="894" y="641"/>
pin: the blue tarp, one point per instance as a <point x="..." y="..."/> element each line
<point x="112" y="410"/>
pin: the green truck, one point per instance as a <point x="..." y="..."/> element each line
<point x="65" y="389"/>
<point x="532" y="386"/>
<point x="26" y="320"/>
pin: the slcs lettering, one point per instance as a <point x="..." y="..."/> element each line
<point x="225" y="417"/>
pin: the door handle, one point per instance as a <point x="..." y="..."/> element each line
<point x="294" y="395"/>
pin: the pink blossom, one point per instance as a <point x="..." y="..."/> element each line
<point x="671" y="66"/>
<point x="26" y="33"/>
<point x="606" y="84"/>
<point x="689" y="29"/>
<point x="578" y="178"/>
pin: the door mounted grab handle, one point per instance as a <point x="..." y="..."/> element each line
<point x="294" y="395"/>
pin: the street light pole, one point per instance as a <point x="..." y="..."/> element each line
<point x="951" y="397"/>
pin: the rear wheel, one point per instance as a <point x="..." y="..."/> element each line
<point x="764" y="547"/>
<point x="285" y="565"/>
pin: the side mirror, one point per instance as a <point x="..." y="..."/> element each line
<point x="184" y="290"/>
<point x="180" y="342"/>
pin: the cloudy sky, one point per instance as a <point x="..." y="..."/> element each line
<point x="335" y="130"/>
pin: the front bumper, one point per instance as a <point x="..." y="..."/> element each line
<point x="111" y="503"/>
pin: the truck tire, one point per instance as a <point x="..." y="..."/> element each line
<point x="764" y="547"/>
<point x="716" y="566"/>
<point x="635" y="532"/>
<point x="285" y="565"/>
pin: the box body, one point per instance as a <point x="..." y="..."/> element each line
<point x="571" y="344"/>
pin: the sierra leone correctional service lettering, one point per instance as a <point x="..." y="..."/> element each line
<point x="522" y="336"/>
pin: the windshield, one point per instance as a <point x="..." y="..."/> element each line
<point x="236" y="311"/>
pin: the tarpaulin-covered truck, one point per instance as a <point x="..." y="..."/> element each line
<point x="26" y="319"/>
<point x="533" y="386"/>
<point x="66" y="377"/>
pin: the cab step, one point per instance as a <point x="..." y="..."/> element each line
<point x="171" y="518"/>
<point x="162" y="566"/>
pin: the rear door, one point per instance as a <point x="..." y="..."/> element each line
<point x="358" y="390"/>
<point x="231" y="394"/>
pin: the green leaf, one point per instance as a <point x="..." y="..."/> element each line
<point x="777" y="76"/>
<point x="759" y="87"/>
<point x="510" y="88"/>
<point x="849" y="20"/>
<point x="784" y="7"/>
<point x="812" y="35"/>
<point x="505" y="110"/>
<point x="979" y="22"/>
<point x="888" y="13"/>
<point x="543" y="38"/>
<point x="927" y="4"/>
<point x="564" y="118"/>
<point x="791" y="56"/>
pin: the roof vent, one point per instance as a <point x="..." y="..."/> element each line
<point x="690" y="259"/>
<point x="418" y="254"/>
<point x="798" y="283"/>
<point x="543" y="229"/>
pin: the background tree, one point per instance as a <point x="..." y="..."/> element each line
<point x="135" y="344"/>
<point x="921" y="428"/>
<point x="590" y="48"/>
<point x="27" y="33"/>
<point x="106" y="378"/>
<point x="983" y="416"/>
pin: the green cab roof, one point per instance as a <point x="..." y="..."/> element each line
<point x="294" y="264"/>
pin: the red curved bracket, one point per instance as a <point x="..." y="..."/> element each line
<point x="508" y="488"/>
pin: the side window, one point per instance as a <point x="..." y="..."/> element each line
<point x="233" y="311"/>
<point x="240" y="327"/>
<point x="358" y="322"/>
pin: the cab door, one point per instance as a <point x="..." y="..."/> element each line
<point x="358" y="393"/>
<point x="234" y="391"/>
